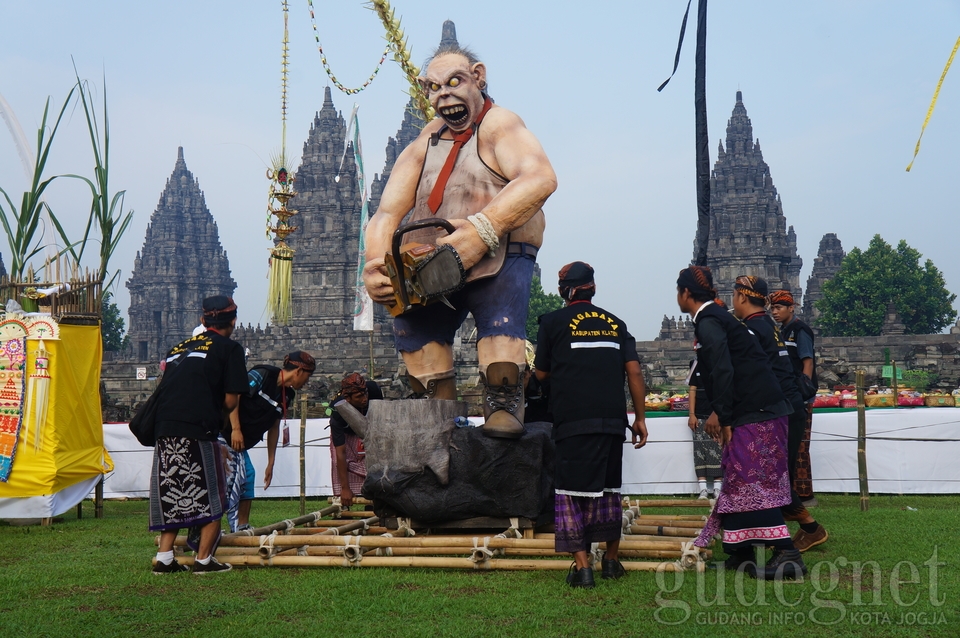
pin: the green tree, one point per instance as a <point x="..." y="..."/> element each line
<point x="112" y="325"/>
<point x="540" y="304"/>
<point x="855" y="301"/>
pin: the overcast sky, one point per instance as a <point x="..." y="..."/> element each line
<point x="837" y="91"/>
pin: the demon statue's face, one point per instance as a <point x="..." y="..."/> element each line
<point x="454" y="87"/>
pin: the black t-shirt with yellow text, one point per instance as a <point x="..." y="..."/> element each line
<point x="584" y="348"/>
<point x="199" y="372"/>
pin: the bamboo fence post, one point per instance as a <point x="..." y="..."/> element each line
<point x="893" y="367"/>
<point x="303" y="453"/>
<point x="98" y="499"/>
<point x="862" y="442"/>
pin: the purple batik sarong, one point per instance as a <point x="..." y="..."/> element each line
<point x="755" y="477"/>
<point x="583" y="520"/>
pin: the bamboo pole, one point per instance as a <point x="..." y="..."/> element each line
<point x="659" y="530"/>
<point x="512" y="564"/>
<point x="637" y="538"/>
<point x="309" y="531"/>
<point x="303" y="453"/>
<point x="432" y="541"/>
<point x="657" y="522"/>
<point x="266" y="551"/>
<point x="354" y="514"/>
<point x="862" y="443"/>
<point x="225" y="553"/>
<point x="893" y="380"/>
<point x="283" y="525"/>
<point x="98" y="499"/>
<point x="672" y="502"/>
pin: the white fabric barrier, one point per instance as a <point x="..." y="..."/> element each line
<point x="48" y="505"/>
<point x="132" y="462"/>
<point x="895" y="464"/>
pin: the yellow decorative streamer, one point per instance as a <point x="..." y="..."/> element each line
<point x="933" y="103"/>
<point x="401" y="54"/>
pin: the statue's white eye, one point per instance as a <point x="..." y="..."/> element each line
<point x="454" y="82"/>
<point x="434" y="86"/>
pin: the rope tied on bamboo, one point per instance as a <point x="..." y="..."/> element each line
<point x="596" y="554"/>
<point x="513" y="531"/>
<point x="690" y="557"/>
<point x="266" y="549"/>
<point x="627" y="519"/>
<point x="385" y="551"/>
<point x="405" y="527"/>
<point x="481" y="555"/>
<point x="336" y="503"/>
<point x="288" y="524"/>
<point x="351" y="551"/>
<point x="302" y="550"/>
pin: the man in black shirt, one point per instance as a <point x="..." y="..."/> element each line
<point x="205" y="377"/>
<point x="587" y="353"/>
<point x="269" y="391"/>
<point x="750" y="420"/>
<point x="347" y="456"/>
<point x="800" y="345"/>
<point x="749" y="301"/>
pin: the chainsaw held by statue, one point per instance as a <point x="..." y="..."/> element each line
<point x="422" y="274"/>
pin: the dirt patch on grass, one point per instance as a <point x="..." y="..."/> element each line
<point x="408" y="587"/>
<point x="463" y="592"/>
<point x="50" y="593"/>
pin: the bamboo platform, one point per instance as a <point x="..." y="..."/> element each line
<point x="334" y="537"/>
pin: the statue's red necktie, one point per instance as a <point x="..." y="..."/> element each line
<point x="436" y="195"/>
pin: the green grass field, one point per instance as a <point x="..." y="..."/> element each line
<point x="92" y="577"/>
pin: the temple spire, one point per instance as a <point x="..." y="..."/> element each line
<point x="449" y="34"/>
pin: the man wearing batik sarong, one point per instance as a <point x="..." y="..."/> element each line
<point x="749" y="301"/>
<point x="587" y="353"/>
<point x="205" y="377"/>
<point x="750" y="421"/>
<point x="347" y="456"/>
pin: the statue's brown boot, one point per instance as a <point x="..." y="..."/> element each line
<point x="440" y="386"/>
<point x="503" y="400"/>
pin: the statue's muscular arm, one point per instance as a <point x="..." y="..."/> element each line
<point x="399" y="197"/>
<point x="509" y="148"/>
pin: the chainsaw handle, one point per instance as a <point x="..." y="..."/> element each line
<point x="398" y="236"/>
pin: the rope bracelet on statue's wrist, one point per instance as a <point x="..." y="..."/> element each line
<point x="486" y="231"/>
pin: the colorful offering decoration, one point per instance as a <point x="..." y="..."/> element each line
<point x="15" y="395"/>
<point x="281" y="255"/>
<point x="280" y="288"/>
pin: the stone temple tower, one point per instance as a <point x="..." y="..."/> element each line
<point x="180" y="264"/>
<point x="825" y="266"/>
<point x="327" y="239"/>
<point x="748" y="232"/>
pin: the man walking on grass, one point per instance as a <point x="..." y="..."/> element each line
<point x="587" y="353"/>
<point x="749" y="302"/>
<point x="800" y="341"/>
<point x="749" y="420"/>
